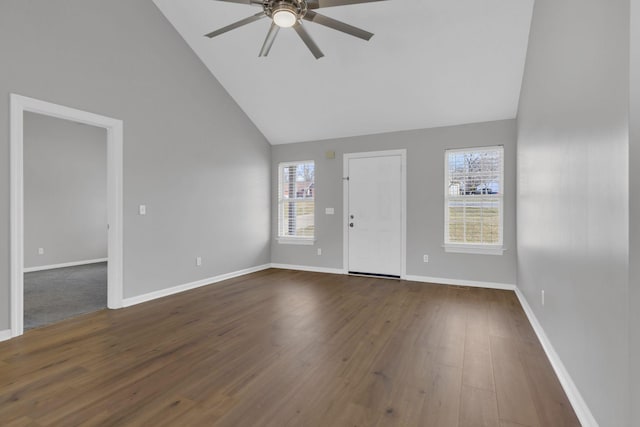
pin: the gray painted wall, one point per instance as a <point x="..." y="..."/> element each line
<point x="634" y="194"/>
<point x="573" y="194"/>
<point x="425" y="200"/>
<point x="65" y="191"/>
<point x="190" y="154"/>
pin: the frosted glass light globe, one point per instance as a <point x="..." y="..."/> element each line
<point x="284" y="18"/>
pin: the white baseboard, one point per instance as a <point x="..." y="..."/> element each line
<point x="128" y="302"/>
<point x="435" y="280"/>
<point x="460" y="282"/>
<point x="579" y="405"/>
<point x="5" y="334"/>
<point x="308" y="268"/>
<point x="66" y="264"/>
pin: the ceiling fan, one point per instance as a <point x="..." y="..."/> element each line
<point x="290" y="13"/>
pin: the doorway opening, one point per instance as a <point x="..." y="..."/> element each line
<point x="20" y="107"/>
<point x="375" y="205"/>
<point x="65" y="219"/>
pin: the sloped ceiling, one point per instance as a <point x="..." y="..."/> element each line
<point x="431" y="63"/>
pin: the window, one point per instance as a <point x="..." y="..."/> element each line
<point x="474" y="200"/>
<point x="296" y="206"/>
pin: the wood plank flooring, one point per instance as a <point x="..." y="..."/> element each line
<point x="285" y="348"/>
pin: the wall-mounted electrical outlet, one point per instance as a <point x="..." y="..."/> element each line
<point x="40" y="251"/>
<point x="319" y="251"/>
<point x="198" y="261"/>
<point x="425" y="258"/>
<point x="542" y="296"/>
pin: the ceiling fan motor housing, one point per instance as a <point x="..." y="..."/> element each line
<point x="297" y="7"/>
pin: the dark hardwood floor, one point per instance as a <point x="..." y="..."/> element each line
<point x="285" y="348"/>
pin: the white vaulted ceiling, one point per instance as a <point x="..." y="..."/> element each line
<point x="431" y="63"/>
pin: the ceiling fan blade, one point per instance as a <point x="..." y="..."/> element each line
<point x="235" y="25"/>
<point x="256" y="2"/>
<point x="337" y="25"/>
<point x="317" y="4"/>
<point x="306" y="38"/>
<point x="268" y="41"/>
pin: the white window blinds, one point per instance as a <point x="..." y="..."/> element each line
<point x="296" y="205"/>
<point x="474" y="196"/>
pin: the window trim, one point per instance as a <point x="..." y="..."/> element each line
<point x="295" y="240"/>
<point x="292" y="240"/>
<point x="470" y="248"/>
<point x="473" y="248"/>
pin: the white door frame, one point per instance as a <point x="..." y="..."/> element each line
<point x="20" y="105"/>
<point x="345" y="205"/>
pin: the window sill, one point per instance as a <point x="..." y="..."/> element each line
<point x="474" y="249"/>
<point x="296" y="241"/>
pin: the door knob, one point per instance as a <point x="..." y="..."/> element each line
<point x="351" y="224"/>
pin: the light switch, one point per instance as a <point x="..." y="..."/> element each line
<point x="329" y="211"/>
<point x="142" y="209"/>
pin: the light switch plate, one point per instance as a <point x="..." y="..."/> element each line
<point x="329" y="211"/>
<point x="142" y="209"/>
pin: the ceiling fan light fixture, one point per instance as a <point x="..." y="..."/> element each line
<point x="285" y="17"/>
<point x="291" y="13"/>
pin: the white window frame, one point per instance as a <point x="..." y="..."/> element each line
<point x="473" y="248"/>
<point x="294" y="240"/>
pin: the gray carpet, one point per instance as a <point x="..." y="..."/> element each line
<point x="54" y="295"/>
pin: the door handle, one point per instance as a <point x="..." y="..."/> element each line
<point x="351" y="224"/>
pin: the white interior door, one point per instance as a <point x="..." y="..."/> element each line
<point x="375" y="204"/>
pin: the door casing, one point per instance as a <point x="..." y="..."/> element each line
<point x="115" y="141"/>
